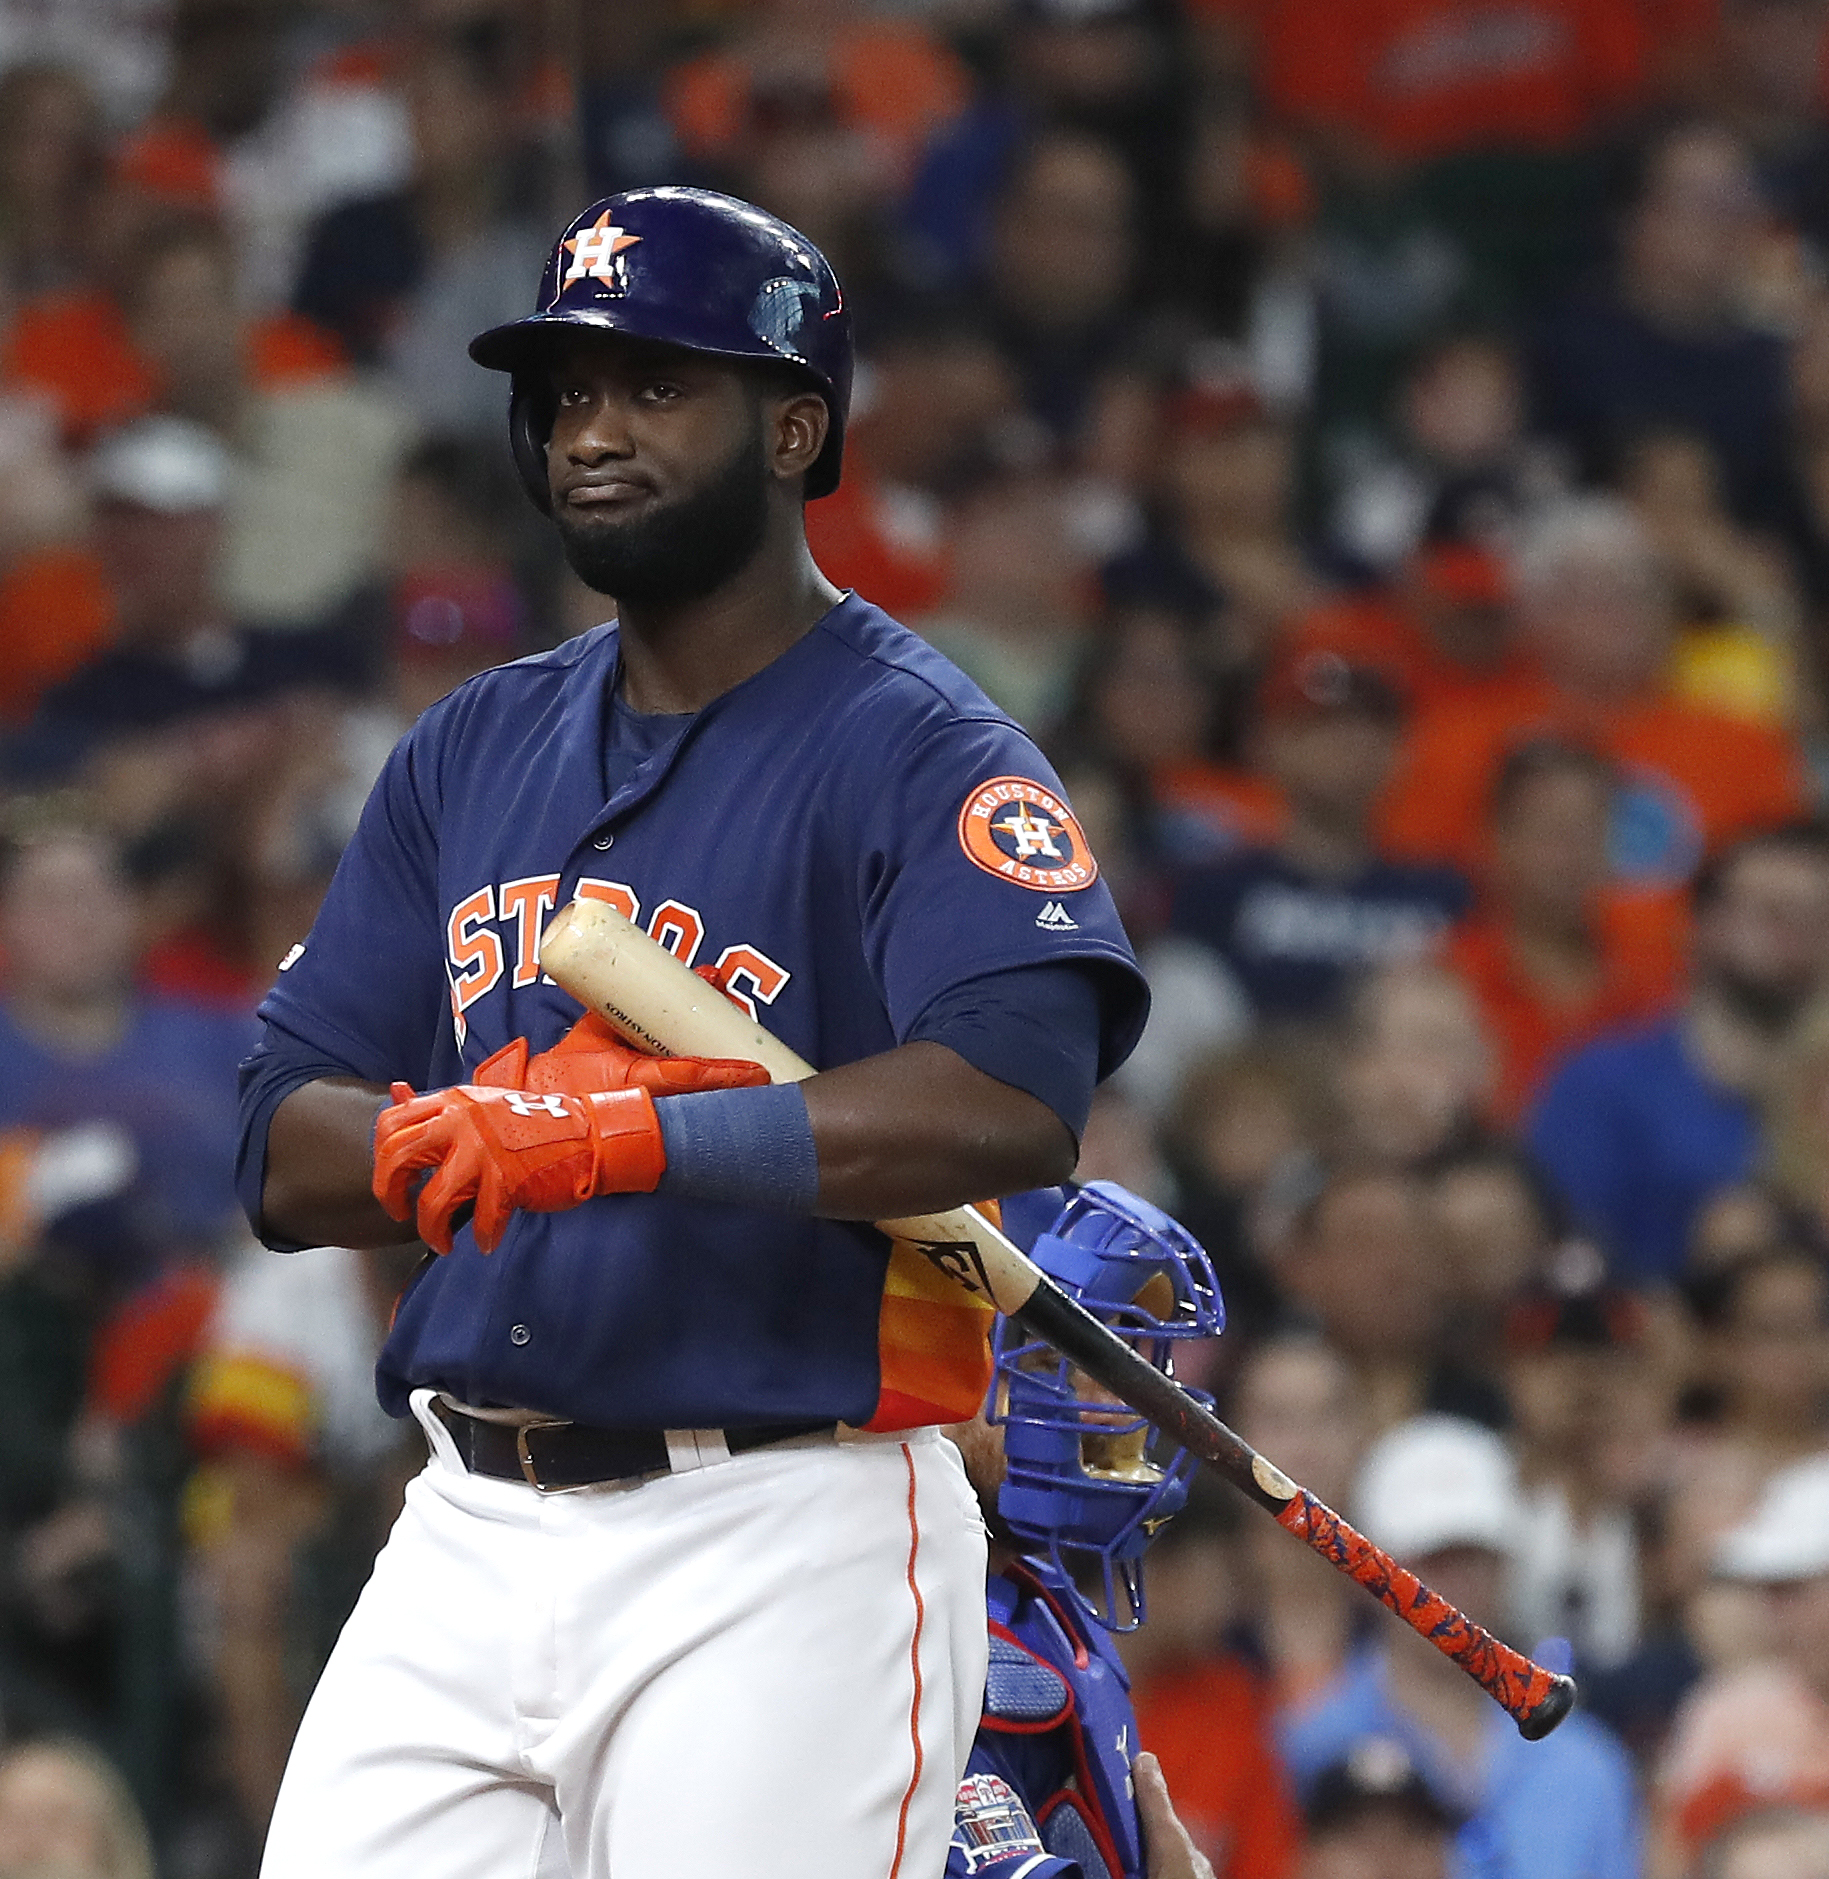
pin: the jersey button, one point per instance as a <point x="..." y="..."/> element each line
<point x="603" y="841"/>
<point x="519" y="1335"/>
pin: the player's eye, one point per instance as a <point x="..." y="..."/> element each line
<point x="661" y="391"/>
<point x="572" y="395"/>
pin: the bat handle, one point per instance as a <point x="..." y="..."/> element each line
<point x="1536" y="1699"/>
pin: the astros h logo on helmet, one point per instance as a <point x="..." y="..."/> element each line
<point x="594" y="253"/>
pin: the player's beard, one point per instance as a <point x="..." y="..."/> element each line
<point x="679" y="551"/>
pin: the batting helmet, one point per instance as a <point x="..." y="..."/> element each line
<point x="1081" y="1481"/>
<point x="691" y="268"/>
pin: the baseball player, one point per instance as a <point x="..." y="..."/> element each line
<point x="1055" y="1788"/>
<point x="690" y="1550"/>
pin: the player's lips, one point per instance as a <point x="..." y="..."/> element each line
<point x="605" y="491"/>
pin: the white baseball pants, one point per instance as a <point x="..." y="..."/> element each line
<point x="768" y="1668"/>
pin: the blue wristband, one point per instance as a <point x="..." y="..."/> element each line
<point x="747" y="1148"/>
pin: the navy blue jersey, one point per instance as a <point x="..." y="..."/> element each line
<point x="851" y="833"/>
<point x="1047" y="1792"/>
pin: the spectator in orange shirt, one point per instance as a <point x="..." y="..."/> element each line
<point x="1444" y="629"/>
<point x="1595" y="610"/>
<point x="938" y="393"/>
<point x="1416" y="79"/>
<point x="105" y="355"/>
<point x="1552" y="955"/>
<point x="891" y="81"/>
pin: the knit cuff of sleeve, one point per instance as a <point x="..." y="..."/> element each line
<point x="746" y="1148"/>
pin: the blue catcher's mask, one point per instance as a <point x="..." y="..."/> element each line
<point x="1084" y="1482"/>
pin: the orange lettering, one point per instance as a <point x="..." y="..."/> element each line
<point x="527" y="902"/>
<point x="476" y="955"/>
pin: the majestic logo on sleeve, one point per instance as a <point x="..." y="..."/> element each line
<point x="1024" y="833"/>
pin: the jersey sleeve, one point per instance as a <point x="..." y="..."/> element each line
<point x="994" y="1836"/>
<point x="972" y="862"/>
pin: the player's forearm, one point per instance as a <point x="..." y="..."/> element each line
<point x="918" y="1130"/>
<point x="320" y="1167"/>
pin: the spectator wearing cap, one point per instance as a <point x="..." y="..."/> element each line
<point x="1373" y="1815"/>
<point x="1220" y="541"/>
<point x="1445" y="626"/>
<point x="161" y="489"/>
<point x="1640" y="1127"/>
<point x="1581" y="1402"/>
<point x="1757" y="1736"/>
<point x="1297" y="921"/>
<point x="1442" y="1496"/>
<point x="298" y="1462"/>
<point x="1595" y="613"/>
<point x="1669" y="339"/>
<point x="1556" y="953"/>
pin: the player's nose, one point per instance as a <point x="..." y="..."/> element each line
<point x="600" y="433"/>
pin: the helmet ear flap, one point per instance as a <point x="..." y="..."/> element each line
<point x="530" y="423"/>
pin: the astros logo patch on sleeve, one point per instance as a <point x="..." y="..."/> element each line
<point x="990" y="1824"/>
<point x="1021" y="832"/>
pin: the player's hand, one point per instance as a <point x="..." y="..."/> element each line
<point x="1171" y="1852"/>
<point x="591" y="1058"/>
<point x="507" y="1149"/>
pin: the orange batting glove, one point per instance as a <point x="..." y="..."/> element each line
<point x="591" y="1058"/>
<point x="509" y="1149"/>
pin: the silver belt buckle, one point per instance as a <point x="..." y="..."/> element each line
<point x="529" y="1471"/>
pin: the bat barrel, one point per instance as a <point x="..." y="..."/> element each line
<point x="1535" y="1699"/>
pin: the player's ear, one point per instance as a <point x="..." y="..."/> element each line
<point x="797" y="432"/>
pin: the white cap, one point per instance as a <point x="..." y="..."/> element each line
<point x="1787" y="1535"/>
<point x="163" y="463"/>
<point x="1436" y="1482"/>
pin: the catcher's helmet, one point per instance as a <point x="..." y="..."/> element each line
<point x="691" y="268"/>
<point x="1088" y="1481"/>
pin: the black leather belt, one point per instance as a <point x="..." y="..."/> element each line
<point x="554" y="1455"/>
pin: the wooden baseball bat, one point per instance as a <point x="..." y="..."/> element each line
<point x="656" y="1002"/>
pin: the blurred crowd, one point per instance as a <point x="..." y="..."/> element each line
<point x="1380" y="448"/>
